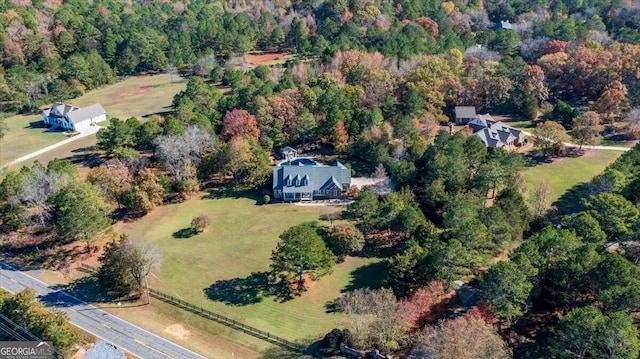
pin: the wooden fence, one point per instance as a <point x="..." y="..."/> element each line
<point x="205" y="313"/>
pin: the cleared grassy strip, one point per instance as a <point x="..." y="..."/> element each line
<point x="565" y="173"/>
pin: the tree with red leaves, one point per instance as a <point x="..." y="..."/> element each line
<point x="427" y="304"/>
<point x="554" y="46"/>
<point x="239" y="123"/>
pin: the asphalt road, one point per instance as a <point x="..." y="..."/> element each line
<point x="101" y="324"/>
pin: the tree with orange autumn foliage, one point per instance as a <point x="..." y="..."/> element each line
<point x="613" y="101"/>
<point x="340" y="137"/>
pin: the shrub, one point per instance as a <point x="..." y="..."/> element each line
<point x="345" y="239"/>
<point x="200" y="223"/>
<point x="266" y="199"/>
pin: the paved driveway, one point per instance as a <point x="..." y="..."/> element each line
<point x="89" y="131"/>
<point x="101" y="324"/>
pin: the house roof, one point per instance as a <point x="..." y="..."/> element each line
<point x="318" y="176"/>
<point x="86" y="113"/>
<point x="61" y="108"/>
<point x="465" y="111"/>
<point x="287" y="149"/>
<point x="489" y="138"/>
<point x="506" y="24"/>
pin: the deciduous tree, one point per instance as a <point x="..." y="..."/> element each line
<point x="345" y="239"/>
<point x="239" y="122"/>
<point x="586" y="128"/>
<point x="465" y="337"/>
<point x="547" y="134"/>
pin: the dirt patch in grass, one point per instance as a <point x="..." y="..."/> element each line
<point x="178" y="331"/>
<point x="262" y="59"/>
<point x="130" y="92"/>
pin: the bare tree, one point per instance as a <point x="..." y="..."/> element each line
<point x="40" y="186"/>
<point x="178" y="153"/>
<point x="172" y="71"/>
<point x="540" y="200"/>
<point x="381" y="180"/>
<point x="375" y="318"/>
<point x="464" y="337"/>
<point x="140" y="258"/>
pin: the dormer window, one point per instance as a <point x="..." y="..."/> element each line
<point x="305" y="180"/>
<point x="297" y="181"/>
<point x="288" y="181"/>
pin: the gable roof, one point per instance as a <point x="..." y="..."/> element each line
<point x="86" y="113"/>
<point x="489" y="138"/>
<point x="317" y="176"/>
<point x="61" y="108"/>
<point x="465" y="111"/>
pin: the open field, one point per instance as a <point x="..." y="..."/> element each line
<point x="25" y="136"/>
<point x="565" y="173"/>
<point x="139" y="96"/>
<point x="219" y="269"/>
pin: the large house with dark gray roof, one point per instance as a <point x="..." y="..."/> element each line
<point x="73" y="118"/>
<point x="495" y="134"/>
<point x="302" y="179"/>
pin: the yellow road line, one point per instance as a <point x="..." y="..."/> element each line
<point x="154" y="349"/>
<point x="104" y="325"/>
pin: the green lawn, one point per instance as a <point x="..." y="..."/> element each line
<point x="135" y="96"/>
<point x="565" y="173"/>
<point x="238" y="244"/>
<point x="25" y="136"/>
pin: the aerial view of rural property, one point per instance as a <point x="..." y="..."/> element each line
<point x="276" y="179"/>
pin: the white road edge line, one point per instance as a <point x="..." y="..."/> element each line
<point x="103" y="311"/>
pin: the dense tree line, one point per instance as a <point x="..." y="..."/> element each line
<point x="49" y="324"/>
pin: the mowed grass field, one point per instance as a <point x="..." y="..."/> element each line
<point x="238" y="244"/>
<point x="565" y="173"/>
<point x="138" y="96"/>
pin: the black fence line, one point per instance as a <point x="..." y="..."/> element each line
<point x="205" y="313"/>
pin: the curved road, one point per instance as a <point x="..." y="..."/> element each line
<point x="101" y="324"/>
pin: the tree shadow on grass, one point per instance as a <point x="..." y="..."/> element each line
<point x="369" y="276"/>
<point x="185" y="233"/>
<point x="571" y="201"/>
<point x="240" y="291"/>
<point x="232" y="192"/>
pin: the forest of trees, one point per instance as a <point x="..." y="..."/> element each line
<point x="375" y="81"/>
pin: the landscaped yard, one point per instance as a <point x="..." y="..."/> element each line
<point x="565" y="173"/>
<point x="135" y="96"/>
<point x="214" y="269"/>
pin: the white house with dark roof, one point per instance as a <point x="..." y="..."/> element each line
<point x="73" y="118"/>
<point x="302" y="179"/>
